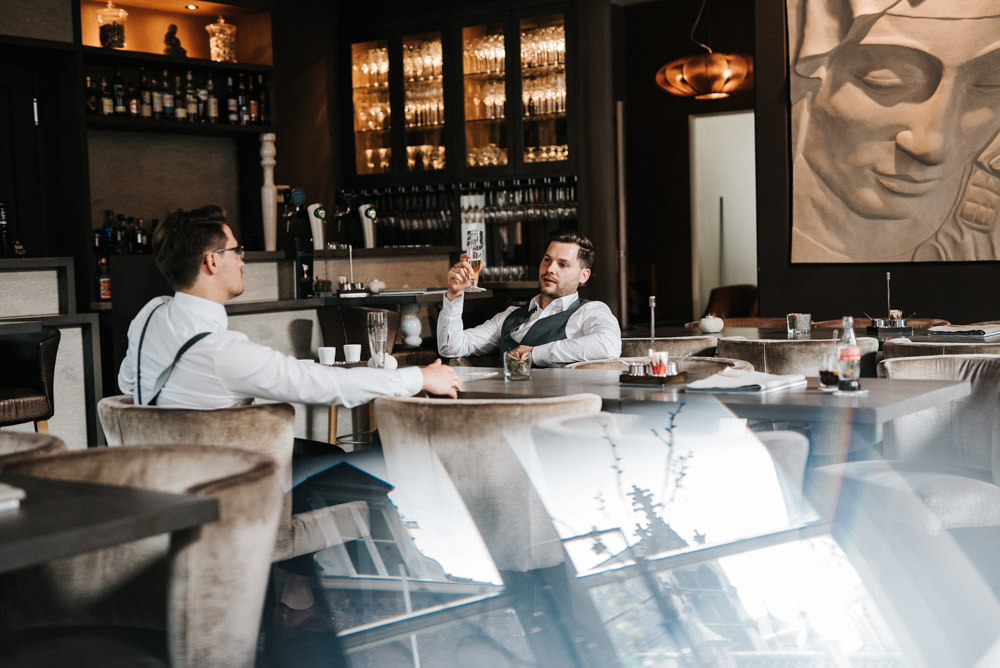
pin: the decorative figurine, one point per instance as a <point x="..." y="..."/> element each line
<point x="173" y="43"/>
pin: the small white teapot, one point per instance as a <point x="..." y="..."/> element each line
<point x="376" y="286"/>
<point x="711" y="324"/>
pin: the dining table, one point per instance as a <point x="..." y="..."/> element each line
<point x="841" y="427"/>
<point x="63" y="518"/>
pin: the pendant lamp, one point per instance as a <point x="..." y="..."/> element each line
<point x="706" y="76"/>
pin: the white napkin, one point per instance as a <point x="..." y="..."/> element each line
<point x="966" y="330"/>
<point x="743" y="380"/>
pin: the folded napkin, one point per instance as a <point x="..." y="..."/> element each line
<point x="966" y="330"/>
<point x="743" y="380"/>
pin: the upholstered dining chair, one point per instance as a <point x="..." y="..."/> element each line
<point x="192" y="599"/>
<point x="948" y="455"/>
<point x="446" y="455"/>
<point x="265" y="428"/>
<point x="737" y="301"/>
<point x="904" y="347"/>
<point x="18" y="445"/>
<point x="27" y="377"/>
<point x="676" y="346"/>
<point x="699" y="365"/>
<point x="785" y="356"/>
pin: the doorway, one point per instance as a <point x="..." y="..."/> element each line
<point x="723" y="203"/>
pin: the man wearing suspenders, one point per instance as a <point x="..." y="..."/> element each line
<point x="555" y="328"/>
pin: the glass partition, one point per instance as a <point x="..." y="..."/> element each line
<point x="370" y="91"/>
<point x="423" y="102"/>
<point x="543" y="89"/>
<point x="485" y="85"/>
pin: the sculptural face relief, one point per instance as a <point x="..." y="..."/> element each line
<point x="906" y="103"/>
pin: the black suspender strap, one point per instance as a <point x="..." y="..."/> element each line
<point x="161" y="380"/>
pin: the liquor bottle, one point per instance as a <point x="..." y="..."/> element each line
<point x="180" y="106"/>
<point x="242" y="103"/>
<point x="107" y="101"/>
<point x="132" y="99"/>
<point x="141" y="238"/>
<point x="264" y="101"/>
<point x="850" y="358"/>
<point x="168" y="96"/>
<point x="191" y="98"/>
<point x="212" y="104"/>
<point x="202" y="91"/>
<point x="93" y="101"/>
<point x="145" y="95"/>
<point x="118" y="92"/>
<point x="103" y="280"/>
<point x="156" y="97"/>
<point x="120" y="245"/>
<point x="6" y="250"/>
<point x="232" y="105"/>
<point x="253" y="101"/>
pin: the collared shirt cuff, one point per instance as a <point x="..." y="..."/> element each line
<point x="451" y="305"/>
<point x="540" y="355"/>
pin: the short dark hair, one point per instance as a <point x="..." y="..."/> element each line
<point x="182" y="239"/>
<point x="586" y="252"/>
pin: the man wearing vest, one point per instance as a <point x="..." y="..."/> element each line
<point x="555" y="328"/>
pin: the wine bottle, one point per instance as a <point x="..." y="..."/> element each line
<point x="118" y="92"/>
<point x="132" y="99"/>
<point x="6" y="249"/>
<point x="212" y="104"/>
<point x="232" y="105"/>
<point x="145" y="95"/>
<point x="107" y="101"/>
<point x="253" y="102"/>
<point x="92" y="101"/>
<point x="264" y="101"/>
<point x="191" y="98"/>
<point x="242" y="104"/>
<point x="180" y="106"/>
<point x="156" y="97"/>
<point x="202" y="92"/>
<point x="168" y="96"/>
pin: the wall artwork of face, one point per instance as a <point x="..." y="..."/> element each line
<point x="895" y="130"/>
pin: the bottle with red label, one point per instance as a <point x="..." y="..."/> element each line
<point x="850" y="358"/>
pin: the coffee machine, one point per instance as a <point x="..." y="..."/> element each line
<point x="296" y="239"/>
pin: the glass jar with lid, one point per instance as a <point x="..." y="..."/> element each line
<point x="222" y="41"/>
<point x="111" y="26"/>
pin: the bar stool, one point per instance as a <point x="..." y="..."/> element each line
<point x="27" y="377"/>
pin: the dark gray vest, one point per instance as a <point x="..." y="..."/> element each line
<point x="545" y="330"/>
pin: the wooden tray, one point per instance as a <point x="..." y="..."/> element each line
<point x="652" y="381"/>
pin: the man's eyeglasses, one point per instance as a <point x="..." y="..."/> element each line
<point x="239" y="250"/>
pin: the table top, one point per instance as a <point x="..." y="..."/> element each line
<point x="815" y="334"/>
<point x="885" y="399"/>
<point x="61" y="518"/>
<point x="393" y="298"/>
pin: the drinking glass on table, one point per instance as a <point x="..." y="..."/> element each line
<point x="378" y="333"/>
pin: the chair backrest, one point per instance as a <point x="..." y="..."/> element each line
<point x="349" y="324"/>
<point x="792" y="356"/>
<point x="265" y="428"/>
<point x="732" y="301"/>
<point x="676" y="346"/>
<point x="471" y="439"/>
<point x="29" y="363"/>
<point x="904" y="347"/>
<point x="18" y="445"/>
<point x="216" y="575"/>
<point x="964" y="434"/>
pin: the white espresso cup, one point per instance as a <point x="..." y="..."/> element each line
<point x="327" y="355"/>
<point x="352" y="352"/>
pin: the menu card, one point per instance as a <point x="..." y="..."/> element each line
<point x="744" y="380"/>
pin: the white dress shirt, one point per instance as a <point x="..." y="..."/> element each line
<point x="225" y="368"/>
<point x="592" y="332"/>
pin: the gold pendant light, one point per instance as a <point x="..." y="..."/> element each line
<point x="706" y="76"/>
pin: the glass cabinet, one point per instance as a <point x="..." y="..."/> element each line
<point x="370" y="94"/>
<point x="485" y="92"/>
<point x="423" y="104"/>
<point x="543" y="89"/>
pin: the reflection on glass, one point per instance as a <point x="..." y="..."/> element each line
<point x="423" y="104"/>
<point x="484" y="69"/>
<point x="543" y="88"/>
<point x="370" y="84"/>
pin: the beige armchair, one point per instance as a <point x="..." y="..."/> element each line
<point x="18" y="445"/>
<point x="904" y="347"/>
<point x="784" y="356"/>
<point x="197" y="593"/>
<point x="676" y="346"/>
<point x="265" y="428"/>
